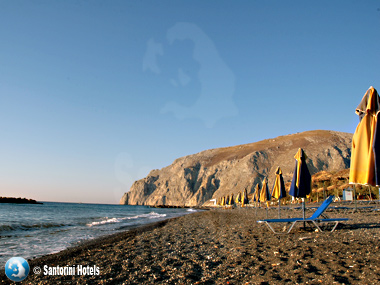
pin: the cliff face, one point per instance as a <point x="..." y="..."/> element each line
<point x="195" y="179"/>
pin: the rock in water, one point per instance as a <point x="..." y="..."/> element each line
<point x="195" y="179"/>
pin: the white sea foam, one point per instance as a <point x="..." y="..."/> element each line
<point x="151" y="215"/>
<point x="191" y="210"/>
<point x="107" y="221"/>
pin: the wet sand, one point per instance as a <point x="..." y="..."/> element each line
<point x="227" y="247"/>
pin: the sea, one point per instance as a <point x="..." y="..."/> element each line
<point x="33" y="230"/>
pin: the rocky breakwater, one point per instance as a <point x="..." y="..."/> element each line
<point x="196" y="179"/>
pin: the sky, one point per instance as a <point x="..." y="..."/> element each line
<point x="95" y="94"/>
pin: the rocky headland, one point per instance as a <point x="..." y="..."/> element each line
<point x="196" y="179"/>
<point x="18" y="200"/>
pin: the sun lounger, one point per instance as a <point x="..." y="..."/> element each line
<point x="315" y="219"/>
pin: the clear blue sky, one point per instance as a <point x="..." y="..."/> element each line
<point x="95" y="94"/>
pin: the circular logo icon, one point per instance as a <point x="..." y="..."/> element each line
<point x="37" y="270"/>
<point x="17" y="268"/>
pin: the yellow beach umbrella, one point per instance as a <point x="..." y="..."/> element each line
<point x="264" y="194"/>
<point x="244" y="198"/>
<point x="256" y="195"/>
<point x="301" y="182"/>
<point x="365" y="165"/>
<point x="279" y="191"/>
<point x="231" y="202"/>
<point x="246" y="201"/>
<point x="238" y="198"/>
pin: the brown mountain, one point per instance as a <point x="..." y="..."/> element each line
<point x="195" y="179"/>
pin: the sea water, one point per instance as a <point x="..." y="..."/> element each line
<point x="33" y="230"/>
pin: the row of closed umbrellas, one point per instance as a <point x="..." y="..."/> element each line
<point x="365" y="159"/>
<point x="299" y="188"/>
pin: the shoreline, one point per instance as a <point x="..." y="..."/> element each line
<point x="178" y="207"/>
<point x="220" y="246"/>
<point x="86" y="244"/>
<point x="99" y="241"/>
<point x="57" y="226"/>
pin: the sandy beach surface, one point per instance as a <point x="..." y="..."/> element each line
<point x="226" y="246"/>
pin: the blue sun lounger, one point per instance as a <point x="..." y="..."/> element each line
<point x="315" y="219"/>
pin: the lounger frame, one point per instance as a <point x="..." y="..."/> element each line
<point x="309" y="221"/>
<point x="313" y="220"/>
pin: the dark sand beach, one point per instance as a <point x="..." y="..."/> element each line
<point x="227" y="247"/>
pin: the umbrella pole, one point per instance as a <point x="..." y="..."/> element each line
<point x="303" y="211"/>
<point x="370" y="193"/>
<point x="279" y="205"/>
<point x="356" y="205"/>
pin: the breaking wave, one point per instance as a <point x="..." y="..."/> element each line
<point x="107" y="220"/>
<point x="191" y="210"/>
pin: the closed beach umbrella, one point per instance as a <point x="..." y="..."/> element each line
<point x="365" y="164"/>
<point x="238" y="198"/>
<point x="301" y="182"/>
<point x="244" y="198"/>
<point x="264" y="194"/>
<point x="231" y="199"/>
<point x="279" y="191"/>
<point x="256" y="195"/>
